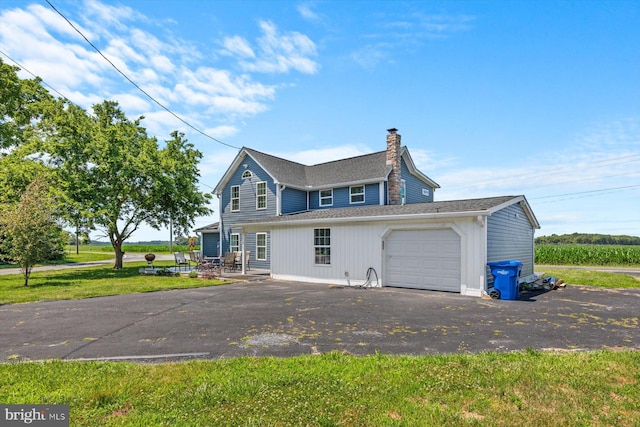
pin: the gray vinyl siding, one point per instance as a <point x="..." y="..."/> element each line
<point x="293" y="200"/>
<point x="510" y="237"/>
<point x="210" y="243"/>
<point x="414" y="187"/>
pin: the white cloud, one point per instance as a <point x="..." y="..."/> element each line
<point x="214" y="165"/>
<point x="305" y="10"/>
<point x="172" y="71"/>
<point x="277" y="53"/>
<point x="109" y="16"/>
<point x="322" y="155"/>
<point x="222" y="131"/>
<point x="237" y="46"/>
<point x="132" y="103"/>
<point x="371" y="55"/>
<point x="390" y="36"/>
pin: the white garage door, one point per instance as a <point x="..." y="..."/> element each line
<point x="423" y="259"/>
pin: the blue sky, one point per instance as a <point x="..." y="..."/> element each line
<point x="540" y="98"/>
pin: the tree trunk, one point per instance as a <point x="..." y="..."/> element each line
<point x="27" y="272"/>
<point x="117" y="247"/>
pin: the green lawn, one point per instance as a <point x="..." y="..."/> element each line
<point x="593" y="278"/>
<point x="90" y="282"/>
<point x="526" y="389"/>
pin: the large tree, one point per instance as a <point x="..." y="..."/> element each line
<point x="30" y="229"/>
<point x="117" y="178"/>
<point x="22" y="102"/>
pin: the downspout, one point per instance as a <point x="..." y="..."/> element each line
<point x="279" y="189"/>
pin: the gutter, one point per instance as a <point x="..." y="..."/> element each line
<point x="436" y="215"/>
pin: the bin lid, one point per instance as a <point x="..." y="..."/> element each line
<point x="505" y="263"/>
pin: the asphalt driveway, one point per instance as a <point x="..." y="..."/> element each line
<point x="271" y="318"/>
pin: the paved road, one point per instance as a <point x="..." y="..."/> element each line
<point x="272" y="318"/>
<point x="128" y="258"/>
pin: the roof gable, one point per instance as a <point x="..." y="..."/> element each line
<point x="354" y="170"/>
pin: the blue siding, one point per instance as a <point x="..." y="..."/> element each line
<point x="341" y="197"/>
<point x="510" y="236"/>
<point x="293" y="200"/>
<point x="314" y="200"/>
<point x="415" y="187"/>
<point x="248" y="202"/>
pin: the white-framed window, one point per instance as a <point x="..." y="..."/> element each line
<point x="247" y="174"/>
<point x="261" y="246"/>
<point x="356" y="194"/>
<point x="403" y="191"/>
<point x="326" y="197"/>
<point x="322" y="246"/>
<point x="235" y="198"/>
<point x="234" y="242"/>
<point x="261" y="195"/>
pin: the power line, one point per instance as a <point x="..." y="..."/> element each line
<point x="587" y="192"/>
<point x="40" y="78"/>
<point x="596" y="164"/>
<point x="138" y="87"/>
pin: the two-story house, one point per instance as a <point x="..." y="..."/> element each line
<point x="337" y="222"/>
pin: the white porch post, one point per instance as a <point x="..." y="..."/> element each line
<point x="242" y="255"/>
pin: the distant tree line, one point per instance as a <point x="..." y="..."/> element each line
<point x="587" y="239"/>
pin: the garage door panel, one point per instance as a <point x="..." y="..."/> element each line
<point x="423" y="259"/>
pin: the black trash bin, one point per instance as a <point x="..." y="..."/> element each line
<point x="505" y="278"/>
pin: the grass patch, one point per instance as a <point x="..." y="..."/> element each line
<point x="593" y="278"/>
<point x="90" y="282"/>
<point x="526" y="389"/>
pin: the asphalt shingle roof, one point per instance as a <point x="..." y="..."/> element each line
<point x="445" y="207"/>
<point x="354" y="169"/>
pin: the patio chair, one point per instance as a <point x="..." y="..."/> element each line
<point x="229" y="262"/>
<point x="196" y="258"/>
<point x="181" y="260"/>
<point x="238" y="259"/>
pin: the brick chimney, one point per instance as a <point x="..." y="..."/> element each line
<point x="393" y="159"/>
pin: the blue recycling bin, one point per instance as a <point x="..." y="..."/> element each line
<point x="505" y="278"/>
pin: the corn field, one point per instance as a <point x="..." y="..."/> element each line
<point x="613" y="255"/>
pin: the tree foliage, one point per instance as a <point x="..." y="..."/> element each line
<point x="30" y="230"/>
<point x="105" y="171"/>
<point x="22" y="101"/>
<point x="116" y="177"/>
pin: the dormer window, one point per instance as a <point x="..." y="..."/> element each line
<point x="247" y="175"/>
